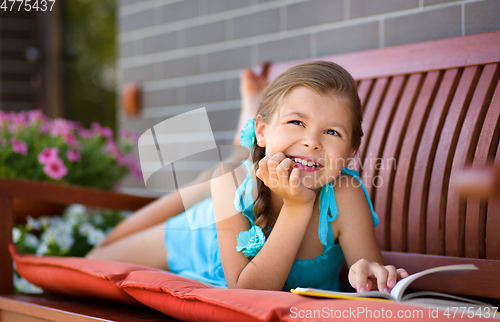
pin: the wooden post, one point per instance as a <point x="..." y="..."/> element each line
<point x="6" y="223"/>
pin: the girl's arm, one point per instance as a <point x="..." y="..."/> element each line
<point x="269" y="269"/>
<point x="356" y="235"/>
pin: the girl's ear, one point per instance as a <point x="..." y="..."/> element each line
<point x="260" y="131"/>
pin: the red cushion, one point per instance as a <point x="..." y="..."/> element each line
<point x="76" y="276"/>
<point x="188" y="299"/>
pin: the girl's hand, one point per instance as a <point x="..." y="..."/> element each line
<point x="386" y="276"/>
<point x="274" y="171"/>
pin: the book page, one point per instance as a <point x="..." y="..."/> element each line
<point x="449" y="270"/>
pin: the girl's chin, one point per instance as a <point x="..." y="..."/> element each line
<point x="312" y="183"/>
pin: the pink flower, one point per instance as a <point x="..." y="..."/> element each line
<point x="47" y="155"/>
<point x="70" y="139"/>
<point x="112" y="149"/>
<point x="36" y="116"/>
<point x="84" y="133"/>
<point x="19" y="146"/>
<point x="129" y="135"/>
<point x="61" y="126"/>
<point x="73" y="155"/>
<point x="55" y="169"/>
<point x="44" y="128"/>
<point x="102" y="130"/>
<point x="135" y="169"/>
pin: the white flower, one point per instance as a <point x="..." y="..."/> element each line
<point x="32" y="224"/>
<point x="76" y="209"/>
<point x="42" y="249"/>
<point x="44" y="222"/>
<point x="16" y="234"/>
<point x="49" y="235"/>
<point x="95" y="237"/>
<point x="26" y="287"/>
<point x="98" y="219"/>
<point x="85" y="229"/>
<point x="31" y="241"/>
<point x="60" y="228"/>
<point x="74" y="214"/>
<point x="65" y="242"/>
<point x="55" y="221"/>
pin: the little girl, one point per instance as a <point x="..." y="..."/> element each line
<point x="293" y="216"/>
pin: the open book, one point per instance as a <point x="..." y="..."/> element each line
<point x="397" y="293"/>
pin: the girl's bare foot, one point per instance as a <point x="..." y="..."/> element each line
<point x="252" y="88"/>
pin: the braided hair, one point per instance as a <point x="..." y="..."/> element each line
<point x="323" y="77"/>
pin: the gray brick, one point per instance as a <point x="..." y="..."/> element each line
<point x="229" y="59"/>
<point x="223" y="5"/>
<point x="139" y="126"/>
<point x="125" y="2"/>
<point x="430" y="25"/>
<point x="181" y="67"/>
<point x="482" y="16"/>
<point x="139" y="73"/>
<point x="205" y="34"/>
<point x="314" y="12"/>
<point x="137" y="20"/>
<point x="362" y="8"/>
<point x="347" y="39"/>
<point x="264" y="22"/>
<point x="224" y="120"/>
<point x="235" y="89"/>
<point x="126" y="49"/>
<point x="431" y="2"/>
<point x="160" y="98"/>
<point x="180" y="10"/>
<point x="208" y="92"/>
<point x="284" y="49"/>
<point x="159" y="43"/>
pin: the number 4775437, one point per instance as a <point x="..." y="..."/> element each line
<point x="27" y="5"/>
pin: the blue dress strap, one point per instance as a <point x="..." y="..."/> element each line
<point x="328" y="210"/>
<point x="243" y="199"/>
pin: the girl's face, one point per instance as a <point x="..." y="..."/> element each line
<point x="312" y="129"/>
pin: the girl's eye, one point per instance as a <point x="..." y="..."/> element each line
<point x="332" y="132"/>
<point x="295" y="122"/>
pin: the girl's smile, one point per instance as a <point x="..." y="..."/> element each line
<point x="305" y="164"/>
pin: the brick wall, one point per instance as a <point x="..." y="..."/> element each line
<point x="188" y="54"/>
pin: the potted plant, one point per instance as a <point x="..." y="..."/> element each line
<point x="34" y="147"/>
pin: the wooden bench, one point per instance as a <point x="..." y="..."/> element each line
<point x="433" y="107"/>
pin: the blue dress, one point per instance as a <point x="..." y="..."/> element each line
<point x="195" y="253"/>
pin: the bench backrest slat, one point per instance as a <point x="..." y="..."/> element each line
<point x="406" y="165"/>
<point x="384" y="198"/>
<point x="493" y="222"/>
<point x="456" y="208"/>
<point x="429" y="110"/>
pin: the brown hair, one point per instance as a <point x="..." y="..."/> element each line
<point x="323" y="77"/>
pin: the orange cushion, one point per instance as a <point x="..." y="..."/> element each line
<point x="188" y="299"/>
<point x="76" y="276"/>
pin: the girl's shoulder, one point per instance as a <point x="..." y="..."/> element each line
<point x="353" y="202"/>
